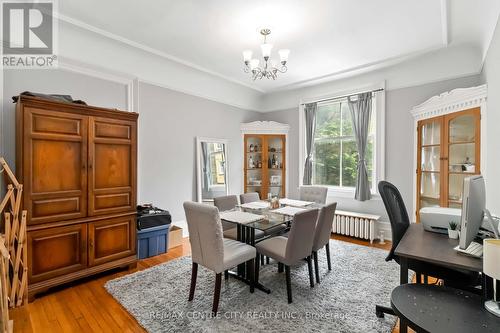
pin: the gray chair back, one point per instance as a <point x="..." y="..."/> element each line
<point x="226" y="202"/>
<point x="249" y="197"/>
<point x="315" y="194"/>
<point x="324" y="226"/>
<point x="301" y="236"/>
<point x="205" y="235"/>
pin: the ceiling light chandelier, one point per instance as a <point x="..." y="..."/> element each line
<point x="269" y="69"/>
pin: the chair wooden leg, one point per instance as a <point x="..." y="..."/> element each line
<point x="218" y="281"/>
<point x="267" y="260"/>
<point x="251" y="274"/>
<point x="380" y="310"/>
<point x="310" y="268"/>
<point x="288" y="284"/>
<point x="262" y="260"/>
<point x="426" y="279"/>
<point x="316" y="266"/>
<point x="280" y="267"/>
<point x="194" y="274"/>
<point x="327" y="246"/>
<point x="418" y="277"/>
<point x="226" y="274"/>
<point x="258" y="260"/>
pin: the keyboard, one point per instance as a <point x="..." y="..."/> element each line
<point x="473" y="250"/>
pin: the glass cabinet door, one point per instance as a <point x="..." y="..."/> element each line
<point x="254" y="164"/>
<point x="463" y="153"/>
<point x="275" y="165"/>
<point x="430" y="163"/>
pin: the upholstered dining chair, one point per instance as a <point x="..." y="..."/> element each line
<point x="249" y="197"/>
<point x="291" y="250"/>
<point x="229" y="202"/>
<point x="322" y="235"/>
<point x="226" y="202"/>
<point x="211" y="250"/>
<point x="315" y="194"/>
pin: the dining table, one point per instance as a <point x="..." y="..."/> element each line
<point x="270" y="223"/>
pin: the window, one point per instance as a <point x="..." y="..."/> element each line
<point x="335" y="154"/>
<point x="217" y="161"/>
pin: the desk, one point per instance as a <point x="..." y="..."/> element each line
<point x="429" y="308"/>
<point x="434" y="248"/>
<point x="437" y="249"/>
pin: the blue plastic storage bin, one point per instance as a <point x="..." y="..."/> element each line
<point x="152" y="241"/>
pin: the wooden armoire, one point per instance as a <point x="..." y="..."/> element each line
<point x="78" y="165"/>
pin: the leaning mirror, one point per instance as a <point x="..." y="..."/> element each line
<point x="211" y="168"/>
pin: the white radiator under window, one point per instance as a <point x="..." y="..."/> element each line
<point x="352" y="224"/>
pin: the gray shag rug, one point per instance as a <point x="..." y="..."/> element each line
<point x="344" y="301"/>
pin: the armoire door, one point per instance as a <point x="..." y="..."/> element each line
<point x="56" y="251"/>
<point x="111" y="239"/>
<point x="112" y="165"/>
<point x="55" y="165"/>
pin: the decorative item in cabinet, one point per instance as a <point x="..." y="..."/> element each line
<point x="265" y="147"/>
<point x="448" y="146"/>
<point x="81" y="208"/>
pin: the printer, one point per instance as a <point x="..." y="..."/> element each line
<point x="437" y="219"/>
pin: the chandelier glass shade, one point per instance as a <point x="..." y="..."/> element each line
<point x="269" y="68"/>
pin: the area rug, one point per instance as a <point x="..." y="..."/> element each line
<point x="344" y="301"/>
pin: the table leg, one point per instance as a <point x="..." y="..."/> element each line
<point x="403" y="279"/>
<point x="403" y="264"/>
<point x="403" y="326"/>
<point x="247" y="235"/>
<point x="239" y="237"/>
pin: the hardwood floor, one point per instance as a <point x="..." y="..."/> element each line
<point x="85" y="306"/>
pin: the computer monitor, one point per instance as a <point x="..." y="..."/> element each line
<point x="473" y="207"/>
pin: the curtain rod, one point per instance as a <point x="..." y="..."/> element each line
<point x="339" y="97"/>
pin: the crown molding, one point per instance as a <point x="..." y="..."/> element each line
<point x="130" y="82"/>
<point x="264" y="127"/>
<point x="355" y="71"/>
<point x="148" y="49"/>
<point x="451" y="101"/>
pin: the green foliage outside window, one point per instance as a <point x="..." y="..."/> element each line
<point x="335" y="152"/>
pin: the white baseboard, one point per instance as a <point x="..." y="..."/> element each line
<point x="182" y="224"/>
<point x="384" y="226"/>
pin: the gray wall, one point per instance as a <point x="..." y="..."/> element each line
<point x="92" y="90"/>
<point x="491" y="76"/>
<point x="398" y="142"/>
<point x="169" y="123"/>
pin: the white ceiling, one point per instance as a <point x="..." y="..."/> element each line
<point x="327" y="38"/>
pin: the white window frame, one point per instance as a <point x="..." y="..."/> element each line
<point x="379" y="149"/>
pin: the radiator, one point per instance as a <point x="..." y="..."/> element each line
<point x="354" y="224"/>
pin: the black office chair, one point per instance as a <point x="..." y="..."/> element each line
<point x="400" y="222"/>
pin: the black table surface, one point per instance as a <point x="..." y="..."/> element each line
<point x="435" y="248"/>
<point x="441" y="309"/>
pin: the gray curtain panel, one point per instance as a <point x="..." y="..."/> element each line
<point x="310" y="117"/>
<point x="361" y="109"/>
